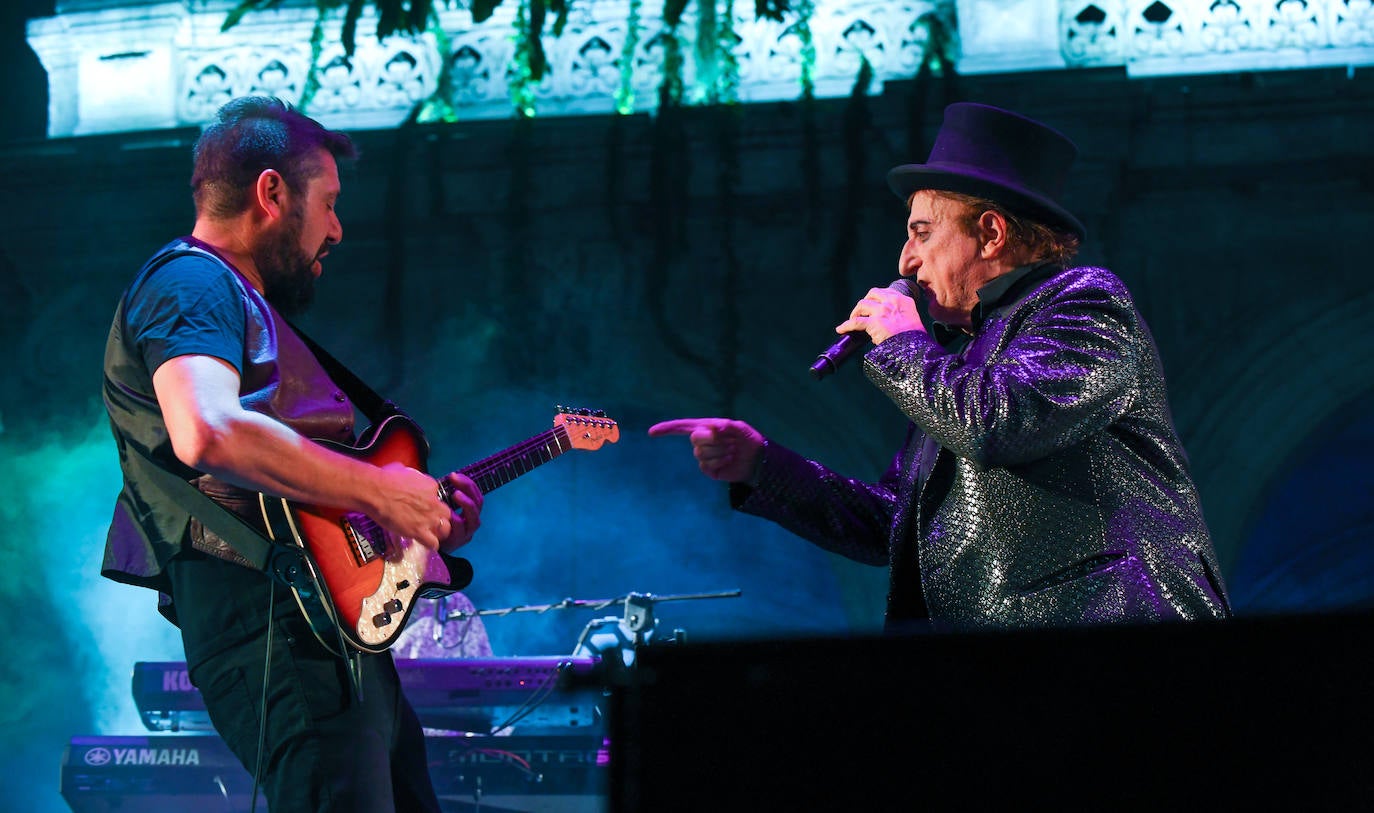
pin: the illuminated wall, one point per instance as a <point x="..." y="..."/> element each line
<point x="117" y="65"/>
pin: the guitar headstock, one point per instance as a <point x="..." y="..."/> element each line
<point x="587" y="428"/>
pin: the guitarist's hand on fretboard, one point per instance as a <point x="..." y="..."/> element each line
<point x="408" y="504"/>
<point x="465" y="499"/>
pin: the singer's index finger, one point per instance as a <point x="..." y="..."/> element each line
<point x="680" y="426"/>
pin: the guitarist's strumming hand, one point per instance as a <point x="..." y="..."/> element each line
<point x="408" y="505"/>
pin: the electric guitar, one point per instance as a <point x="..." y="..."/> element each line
<point x="362" y="581"/>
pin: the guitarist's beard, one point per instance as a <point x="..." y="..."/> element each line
<point x="287" y="277"/>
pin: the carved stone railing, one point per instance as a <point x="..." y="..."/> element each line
<point x="1200" y="36"/>
<point x="150" y="66"/>
<point x="139" y="64"/>
<point x="1150" y="37"/>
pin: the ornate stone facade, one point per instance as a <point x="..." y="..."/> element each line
<point x="1197" y="36"/>
<point x="130" y="66"/>
<point x="125" y="65"/>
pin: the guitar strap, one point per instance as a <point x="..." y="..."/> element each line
<point x="283" y="563"/>
<point x="366" y="399"/>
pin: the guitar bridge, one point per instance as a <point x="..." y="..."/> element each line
<point x="366" y="539"/>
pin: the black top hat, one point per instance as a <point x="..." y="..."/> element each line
<point x="999" y="155"/>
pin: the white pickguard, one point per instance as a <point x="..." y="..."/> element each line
<point x="405" y="562"/>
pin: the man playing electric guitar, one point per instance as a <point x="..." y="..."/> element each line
<point x="205" y="379"/>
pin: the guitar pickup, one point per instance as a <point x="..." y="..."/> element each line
<point x="365" y="538"/>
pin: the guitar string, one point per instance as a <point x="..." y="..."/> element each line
<point x="490" y="465"/>
<point x="558" y="433"/>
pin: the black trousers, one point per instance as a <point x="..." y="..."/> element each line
<point x="325" y="750"/>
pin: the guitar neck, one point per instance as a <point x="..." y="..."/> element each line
<point x="504" y="466"/>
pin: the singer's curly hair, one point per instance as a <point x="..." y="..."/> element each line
<point x="252" y="134"/>
<point x="1033" y="240"/>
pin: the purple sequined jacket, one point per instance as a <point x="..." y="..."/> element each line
<point x="1041" y="483"/>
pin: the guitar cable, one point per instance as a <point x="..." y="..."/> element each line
<point x="352" y="664"/>
<point x="223" y="793"/>
<point x="266" y="677"/>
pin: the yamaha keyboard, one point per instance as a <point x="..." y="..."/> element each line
<point x="174" y="772"/>
<point x="533" y="695"/>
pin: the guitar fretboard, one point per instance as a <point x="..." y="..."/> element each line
<point x="502" y="467"/>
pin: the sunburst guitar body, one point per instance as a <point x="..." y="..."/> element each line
<point x="363" y="581"/>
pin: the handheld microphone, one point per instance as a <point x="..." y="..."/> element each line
<point x="850" y="343"/>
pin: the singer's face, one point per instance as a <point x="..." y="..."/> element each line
<point x="944" y="257"/>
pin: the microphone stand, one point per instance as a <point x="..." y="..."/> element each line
<point x="624" y="635"/>
<point x="571" y="603"/>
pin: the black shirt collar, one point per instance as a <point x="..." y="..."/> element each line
<point x="1001" y="291"/>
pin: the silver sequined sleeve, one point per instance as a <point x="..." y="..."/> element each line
<point x="1059" y="376"/>
<point x="840" y="514"/>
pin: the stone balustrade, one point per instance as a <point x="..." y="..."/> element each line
<point x="128" y="65"/>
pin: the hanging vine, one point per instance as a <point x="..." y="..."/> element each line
<point x="625" y="89"/>
<point x="717" y="65"/>
<point x="726" y="85"/>
<point x="393" y="16"/>
<point x="520" y="74"/>
<point x="810" y="157"/>
<point x="938" y="50"/>
<point x="807" y="52"/>
<point x="706" y="54"/>
<point x="670" y="89"/>
<point x="312" y="77"/>
<point x="438" y="106"/>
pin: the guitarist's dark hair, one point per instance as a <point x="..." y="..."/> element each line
<point x="252" y="134"/>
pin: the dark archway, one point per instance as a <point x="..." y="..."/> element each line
<point x="1309" y="545"/>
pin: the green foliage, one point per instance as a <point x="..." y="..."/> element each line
<point x="773" y="10"/>
<point x="312" y="79"/>
<point x="726" y="88"/>
<point x="482" y="9"/>
<point x="625" y="92"/>
<point x="805" y="8"/>
<point x="350" y="26"/>
<point x="534" y="41"/>
<point x="717" y="65"/>
<point x="236" y="13"/>
<point x="672" y="12"/>
<point x="560" y="10"/>
<point x="941" y="43"/>
<point x="520" y="73"/>
<point x="393" y="16"/>
<point x="438" y="107"/>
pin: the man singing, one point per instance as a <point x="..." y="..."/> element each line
<point x="1042" y="482"/>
